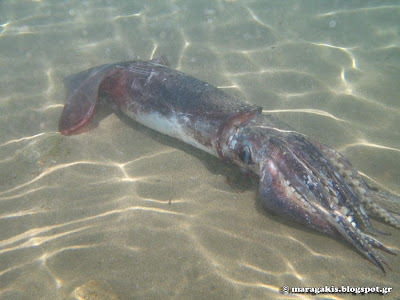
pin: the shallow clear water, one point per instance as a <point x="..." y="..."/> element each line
<point x="124" y="211"/>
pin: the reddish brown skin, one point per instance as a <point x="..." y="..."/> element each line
<point x="229" y="128"/>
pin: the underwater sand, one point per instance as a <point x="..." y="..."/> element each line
<point x="124" y="212"/>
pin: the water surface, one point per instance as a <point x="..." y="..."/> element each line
<point x="122" y="211"/>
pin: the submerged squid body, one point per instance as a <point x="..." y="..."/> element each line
<point x="299" y="177"/>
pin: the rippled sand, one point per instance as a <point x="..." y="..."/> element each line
<point x="122" y="211"/>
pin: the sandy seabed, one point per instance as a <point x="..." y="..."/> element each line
<point x="124" y="212"/>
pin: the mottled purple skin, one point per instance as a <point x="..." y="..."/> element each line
<point x="299" y="177"/>
<point x="145" y="87"/>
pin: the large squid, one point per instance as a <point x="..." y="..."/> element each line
<point x="300" y="178"/>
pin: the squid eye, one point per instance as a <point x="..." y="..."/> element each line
<point x="245" y="155"/>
